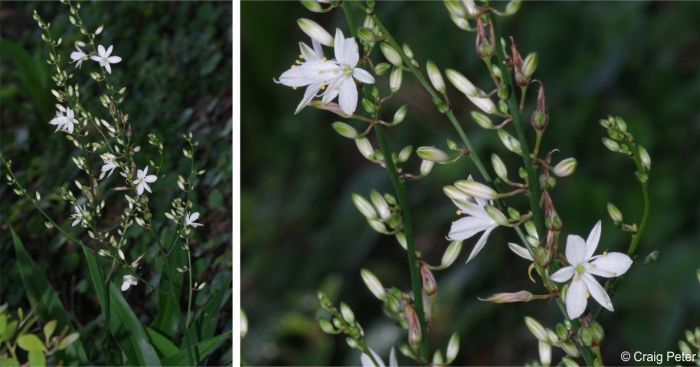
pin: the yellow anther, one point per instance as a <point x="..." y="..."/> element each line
<point x="588" y="295"/>
<point x="459" y="212"/>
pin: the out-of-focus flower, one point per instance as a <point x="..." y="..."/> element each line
<point x="104" y="59"/>
<point x="143" y="179"/>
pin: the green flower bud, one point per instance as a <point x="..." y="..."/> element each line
<point x="400" y="114"/>
<point x="312" y="5"/>
<point x="435" y="76"/>
<point x="365" y="147"/>
<point x="407" y="50"/>
<point x="391" y="54"/>
<point x="382" y="68"/>
<point x="380" y="204"/>
<point x="395" y="79"/>
<point x="499" y="167"/>
<point x="530" y="65"/>
<point x="366" y="35"/>
<point x="347" y="313"/>
<point x="373" y="284"/>
<point x="432" y="154"/>
<point x="364" y="206"/>
<point x="476" y="189"/>
<point x="510" y="142"/>
<point x="513" y="7"/>
<point x="536" y="328"/>
<point x="345" y="130"/>
<point x="612" y="145"/>
<point x="452" y="348"/>
<point x="426" y="167"/>
<point x="405" y="153"/>
<point x="482" y="120"/>
<point x="614" y="213"/>
<point x="315" y="31"/>
<point x="496" y="215"/>
<point x="565" y="168"/>
<point x="644" y="158"/>
<point x="327" y="327"/>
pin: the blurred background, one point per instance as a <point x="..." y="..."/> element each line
<point x="176" y="67"/>
<point x="301" y="232"/>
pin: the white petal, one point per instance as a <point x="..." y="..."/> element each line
<point x="150" y="178"/>
<point x="471" y="209"/>
<point x="147" y="187"/>
<point x="393" y="362"/>
<point x="76" y="222"/>
<point x="309" y="94"/>
<point x="576" y="298"/>
<point x="294" y="77"/>
<point x="520" y="251"/>
<point x="114" y="59"/>
<point x="597" y="291"/>
<point x="348" y="96"/>
<point x="109" y="51"/>
<point x="464" y="228"/>
<point x="610" y="265"/>
<point x="480" y="243"/>
<point x="363" y="76"/>
<point x="308" y="53"/>
<point x="332" y="90"/>
<point x="101" y="50"/>
<point x="318" y="50"/>
<point x="562" y="275"/>
<point x="575" y="249"/>
<point x="96" y="58"/>
<point x="367" y="362"/>
<point x="194" y="216"/>
<point x="339" y="45"/>
<point x="320" y="71"/>
<point x="351" y="53"/>
<point x="139" y="188"/>
<point x="592" y="240"/>
<point x="107" y="67"/>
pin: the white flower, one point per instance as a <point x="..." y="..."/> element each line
<point x="65" y="119"/>
<point x="79" y="215"/>
<point x="104" y="59"/>
<point x="477" y="219"/>
<point x="109" y="163"/>
<point x="78" y="56"/>
<point x="191" y="218"/>
<point x="347" y="54"/>
<point x="128" y="281"/>
<point x="313" y="73"/>
<point x="367" y="361"/>
<point x="582" y="266"/>
<point x="143" y="179"/>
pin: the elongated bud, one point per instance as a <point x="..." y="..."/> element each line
<point x="315" y="31"/>
<point x="373" y="284"/>
<point x="536" y="328"/>
<point x="345" y="130"/>
<point x="378" y="226"/>
<point x="455" y="193"/>
<point x="450" y="255"/>
<point x="364" y="206"/>
<point x="530" y="65"/>
<point x="400" y="114"/>
<point x="324" y="301"/>
<point x="426" y="167"/>
<point x="326" y="326"/>
<point x="395" y="79"/>
<point x="522" y="296"/>
<point x="452" y="348"/>
<point x="461" y="82"/>
<point x="545" y="353"/>
<point x="380" y="204"/>
<point x="485" y="43"/>
<point x="382" y="68"/>
<point x="496" y="215"/>
<point x="415" y="334"/>
<point x="520" y="78"/>
<point x="482" y="120"/>
<point x="429" y="283"/>
<point x="645" y="158"/>
<point x="615" y="213"/>
<point x="510" y="142"/>
<point x="513" y="7"/>
<point x="432" y="154"/>
<point x="438" y="359"/>
<point x="499" y="167"/>
<point x="244" y="324"/>
<point x="407" y="50"/>
<point x="565" y="168"/>
<point x="612" y="145"/>
<point x="405" y="153"/>
<point x="476" y="189"/>
<point x="347" y="313"/>
<point x="454" y="7"/>
<point x="401" y="239"/>
<point x="539" y="118"/>
<point x="312" y="5"/>
<point x="391" y="54"/>
<point x="365" y="147"/>
<point x="435" y="77"/>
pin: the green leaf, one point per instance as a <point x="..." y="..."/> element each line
<point x="128" y="331"/>
<point x="49" y="328"/>
<point x="170" y="287"/>
<point x="204" y="348"/>
<point x="37" y="359"/>
<point x="9" y="362"/>
<point x="30" y="343"/>
<point x="163" y="345"/>
<point x="67" y="341"/>
<point x="42" y="296"/>
<point x="3" y="326"/>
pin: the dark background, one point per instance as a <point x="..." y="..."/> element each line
<point x="300" y="231"/>
<point x="176" y="66"/>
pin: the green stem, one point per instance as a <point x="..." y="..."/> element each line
<point x="407" y="219"/>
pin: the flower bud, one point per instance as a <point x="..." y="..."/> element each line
<point x="482" y="120"/>
<point x="327" y="327"/>
<point x="382" y="68"/>
<point x="426" y="167"/>
<point x="461" y="82"/>
<point x="486" y="104"/>
<point x="315" y="31"/>
<point x="450" y="255"/>
<point x="499" y="167"/>
<point x="521" y="296"/>
<point x="399" y="115"/>
<point x="364" y="206"/>
<point x="530" y="65"/>
<point x="345" y="130"/>
<point x="611" y="145"/>
<point x="380" y="204"/>
<point x="429" y="283"/>
<point x="401" y="239"/>
<point x="455" y="194"/>
<point x="496" y="215"/>
<point x="378" y="226"/>
<point x="324" y="301"/>
<point x="545" y="353"/>
<point x="244" y="324"/>
<point x="352" y="343"/>
<point x="615" y="213"/>
<point x="366" y="35"/>
<point x="512" y="7"/>
<point x="347" y="313"/>
<point x="405" y="153"/>
<point x="454" y="8"/>
<point x="438" y="359"/>
<point x="415" y="335"/>
<point x="435" y="77"/>
<point x="520" y="251"/>
<point x="510" y="142"/>
<point x="407" y="50"/>
<point x="536" y="328"/>
<point x="644" y="158"/>
<point x="539" y="118"/>
<point x="565" y="167"/>
<point x="365" y="147"/>
<point x="461" y="23"/>
<point x="391" y="54"/>
<point x="452" y="348"/>
<point x="476" y="189"/>
<point x="395" y="79"/>
<point x="520" y="78"/>
<point x="312" y="5"/>
<point x="432" y="154"/>
<point x="373" y="284"/>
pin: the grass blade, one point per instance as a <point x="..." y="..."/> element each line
<point x="205" y="348"/>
